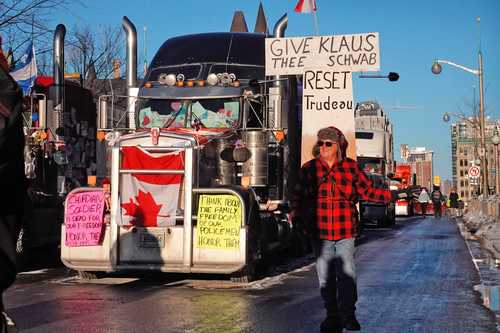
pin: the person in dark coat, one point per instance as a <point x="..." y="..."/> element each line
<point x="454" y="202"/>
<point x="437" y="202"/>
<point x="12" y="183"/>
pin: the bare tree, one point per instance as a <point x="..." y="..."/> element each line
<point x="91" y="53"/>
<point x="23" y="20"/>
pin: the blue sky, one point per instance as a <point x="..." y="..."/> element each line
<point x="412" y="35"/>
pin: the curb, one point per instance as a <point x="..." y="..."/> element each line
<point x="488" y="271"/>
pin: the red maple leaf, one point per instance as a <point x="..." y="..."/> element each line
<point x="145" y="212"/>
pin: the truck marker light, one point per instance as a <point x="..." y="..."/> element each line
<point x="279" y="135"/>
<point x="236" y="83"/>
<point x="212" y="79"/>
<point x="200" y="83"/>
<point x="245" y="181"/>
<point x="190" y="83"/>
<point x="100" y="135"/>
<point x="180" y="83"/>
<point x="170" y="80"/>
<point x="148" y="85"/>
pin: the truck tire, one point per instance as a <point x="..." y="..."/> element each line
<point x="245" y="275"/>
<point x="86" y="275"/>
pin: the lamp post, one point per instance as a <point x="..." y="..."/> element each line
<point x="496" y="140"/>
<point x="436" y="69"/>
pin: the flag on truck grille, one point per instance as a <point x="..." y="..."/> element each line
<point x="306" y="6"/>
<point x="149" y="200"/>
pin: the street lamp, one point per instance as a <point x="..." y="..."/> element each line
<point x="392" y="76"/>
<point x="436" y="69"/>
<point x="496" y="140"/>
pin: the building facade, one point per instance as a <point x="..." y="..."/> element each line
<point x="421" y="160"/>
<point x="465" y="149"/>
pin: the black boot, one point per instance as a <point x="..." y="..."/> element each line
<point x="351" y="323"/>
<point x="331" y="324"/>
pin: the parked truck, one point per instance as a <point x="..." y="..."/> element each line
<point x="374" y="150"/>
<point x="403" y="174"/>
<point x="60" y="136"/>
<point x="209" y="141"/>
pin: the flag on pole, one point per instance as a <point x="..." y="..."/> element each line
<point x="306" y="6"/>
<point x="24" y="72"/>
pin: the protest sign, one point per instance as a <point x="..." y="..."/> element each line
<point x="219" y="222"/>
<point x="84" y="218"/>
<point x="326" y="101"/>
<point x="354" y="53"/>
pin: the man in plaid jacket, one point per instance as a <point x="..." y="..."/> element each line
<point x="325" y="202"/>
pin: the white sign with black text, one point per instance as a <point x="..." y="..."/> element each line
<point x="327" y="101"/>
<point x="355" y="53"/>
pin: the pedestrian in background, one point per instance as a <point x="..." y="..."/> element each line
<point x="454" y="202"/>
<point x="437" y="202"/>
<point x="12" y="183"/>
<point x="325" y="202"/>
<point x="423" y="200"/>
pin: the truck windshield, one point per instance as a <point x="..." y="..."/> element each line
<point x="371" y="165"/>
<point x="189" y="113"/>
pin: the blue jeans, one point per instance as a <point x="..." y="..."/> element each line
<point x="337" y="276"/>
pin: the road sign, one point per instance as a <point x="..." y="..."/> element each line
<point x="474" y="172"/>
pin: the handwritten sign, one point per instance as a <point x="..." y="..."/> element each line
<point x="355" y="53"/>
<point x="327" y="101"/>
<point x="83" y="218"/>
<point x="219" y="222"/>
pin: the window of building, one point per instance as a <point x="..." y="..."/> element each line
<point x="461" y="173"/>
<point x="461" y="162"/>
<point x="462" y="193"/>
<point x="462" y="183"/>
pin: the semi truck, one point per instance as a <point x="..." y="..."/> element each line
<point x="198" y="174"/>
<point x="374" y="150"/>
<point x="60" y="136"/>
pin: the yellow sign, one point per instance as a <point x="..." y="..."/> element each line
<point x="437" y="180"/>
<point x="219" y="222"/>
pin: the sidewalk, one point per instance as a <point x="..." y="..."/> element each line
<point x="484" y="250"/>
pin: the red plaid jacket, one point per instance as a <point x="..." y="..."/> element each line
<point x="329" y="195"/>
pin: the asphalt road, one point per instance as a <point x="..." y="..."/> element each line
<point x="417" y="277"/>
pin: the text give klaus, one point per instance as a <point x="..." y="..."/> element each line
<point x="219" y="222"/>
<point x="354" y="53"/>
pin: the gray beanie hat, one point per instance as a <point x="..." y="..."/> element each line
<point x="328" y="133"/>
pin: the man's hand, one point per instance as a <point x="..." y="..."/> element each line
<point x="400" y="194"/>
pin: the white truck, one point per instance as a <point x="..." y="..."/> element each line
<point x="374" y="150"/>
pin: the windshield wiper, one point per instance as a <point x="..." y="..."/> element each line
<point x="173" y="116"/>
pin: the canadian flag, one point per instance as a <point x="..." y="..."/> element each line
<point x="149" y="200"/>
<point x="306" y="6"/>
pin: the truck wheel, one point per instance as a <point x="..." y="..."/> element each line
<point x="86" y="275"/>
<point x="245" y="275"/>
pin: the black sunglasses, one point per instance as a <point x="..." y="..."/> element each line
<point x="326" y="143"/>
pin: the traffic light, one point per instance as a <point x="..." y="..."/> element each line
<point x="393" y="76"/>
